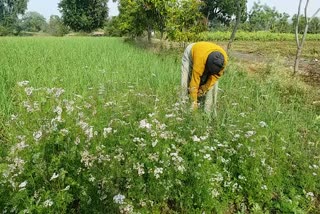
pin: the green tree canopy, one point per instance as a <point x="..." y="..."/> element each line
<point x="171" y="16"/>
<point x="84" y="15"/>
<point x="314" y="25"/>
<point x="33" y="22"/>
<point x="222" y="11"/>
<point x="56" y="27"/>
<point x="9" y="11"/>
<point x="262" y="17"/>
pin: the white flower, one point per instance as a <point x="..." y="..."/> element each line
<point x="263" y="124"/>
<point x="106" y="131"/>
<point x="140" y="168"/>
<point x="157" y="171"/>
<point x="169" y="115"/>
<point x="23" y="83"/>
<point x="241" y="177"/>
<point x="151" y="114"/>
<point x="64" y="132"/>
<point x="215" y="193"/>
<point x="242" y="114"/>
<point x="48" y="203"/>
<point x="119" y="199"/>
<point x="14" y="117"/>
<point x="59" y="91"/>
<point x="58" y="110"/>
<point x="77" y="141"/>
<point x="67" y="188"/>
<point x="29" y="90"/>
<point x="264" y="187"/>
<point x="37" y="135"/>
<point x="310" y="195"/>
<point x="195" y="138"/>
<point x="23" y="184"/>
<point x="249" y="134"/>
<point x="54" y="176"/>
<point x="236" y="137"/>
<point x="204" y="137"/>
<point x="154" y="143"/>
<point x="144" y="124"/>
<point x="92" y="179"/>
<point x="207" y="156"/>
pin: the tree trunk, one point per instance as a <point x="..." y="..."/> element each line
<point x="149" y="33"/>
<point x="234" y="31"/>
<point x="297" y="59"/>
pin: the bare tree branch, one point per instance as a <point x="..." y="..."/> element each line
<point x="314" y="15"/>
<point x="297" y="24"/>
<point x="300" y="44"/>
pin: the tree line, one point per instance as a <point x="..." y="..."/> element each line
<point x="175" y="19"/>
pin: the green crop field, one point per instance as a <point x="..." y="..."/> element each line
<point x="255" y="36"/>
<point x="95" y="125"/>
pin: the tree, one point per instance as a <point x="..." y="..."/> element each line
<point x="282" y="24"/>
<point x="10" y="10"/>
<point x="179" y="18"/>
<point x="314" y="25"/>
<point x="33" y="22"/>
<point x="84" y="15"/>
<point x="240" y="6"/>
<point x="112" y="27"/>
<point x="56" y="27"/>
<point x="131" y="18"/>
<point x="301" y="24"/>
<point x="300" y="43"/>
<point x="222" y="11"/>
<point x="262" y="17"/>
<point x="185" y="20"/>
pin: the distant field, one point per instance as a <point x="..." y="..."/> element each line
<point x="255" y="36"/>
<point x="95" y="125"/>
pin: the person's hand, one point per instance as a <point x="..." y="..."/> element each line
<point x="194" y="105"/>
<point x="200" y="93"/>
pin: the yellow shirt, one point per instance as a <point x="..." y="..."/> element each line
<point x="200" y="52"/>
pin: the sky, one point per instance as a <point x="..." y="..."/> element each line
<point x="50" y="7"/>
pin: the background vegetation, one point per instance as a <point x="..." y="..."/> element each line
<point x="173" y="19"/>
<point x="95" y="125"/>
<point x="83" y="130"/>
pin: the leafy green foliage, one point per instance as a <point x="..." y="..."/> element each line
<point x="104" y="132"/>
<point x="56" y="27"/>
<point x="181" y="20"/>
<point x="33" y="22"/>
<point x="132" y="21"/>
<point x="221" y="11"/>
<point x="112" y="27"/>
<point x="9" y="11"/>
<point x="182" y="26"/>
<point x="84" y="15"/>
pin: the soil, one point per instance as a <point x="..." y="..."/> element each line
<point x="309" y="69"/>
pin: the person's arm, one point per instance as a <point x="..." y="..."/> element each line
<point x="197" y="70"/>
<point x="194" y="86"/>
<point x="210" y="82"/>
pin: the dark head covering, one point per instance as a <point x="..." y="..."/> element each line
<point x="214" y="62"/>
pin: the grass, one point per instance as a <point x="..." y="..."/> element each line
<point x="99" y="128"/>
<point x="262" y="36"/>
